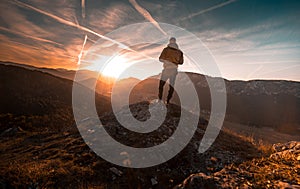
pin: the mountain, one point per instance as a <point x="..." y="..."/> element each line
<point x="42" y="158"/>
<point x="63" y="73"/>
<point x="40" y="143"/>
<point x="85" y="77"/>
<point x="256" y="103"/>
<point x="45" y="156"/>
<point x="31" y="95"/>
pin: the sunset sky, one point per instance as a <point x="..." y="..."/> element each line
<point x="249" y="39"/>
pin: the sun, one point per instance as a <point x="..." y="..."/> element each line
<point x="116" y="66"/>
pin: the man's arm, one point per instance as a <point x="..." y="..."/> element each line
<point x="162" y="56"/>
<point x="181" y="59"/>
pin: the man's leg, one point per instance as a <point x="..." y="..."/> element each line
<point x="171" y="88"/>
<point x="162" y="83"/>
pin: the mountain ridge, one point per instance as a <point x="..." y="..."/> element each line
<point x="40" y="143"/>
<point x="69" y="70"/>
<point x="263" y="98"/>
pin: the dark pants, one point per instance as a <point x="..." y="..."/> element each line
<point x="165" y="75"/>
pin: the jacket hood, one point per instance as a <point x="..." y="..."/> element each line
<point x="173" y="45"/>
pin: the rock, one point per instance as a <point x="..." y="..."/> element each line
<point x="198" y="181"/>
<point x="290" y="149"/>
<point x="116" y="171"/>
<point x="213" y="159"/>
<point x="285" y="185"/>
<point x="292" y="145"/>
<point x="12" y="131"/>
<point x="154" y="181"/>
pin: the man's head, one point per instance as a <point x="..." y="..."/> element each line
<point x="172" y="40"/>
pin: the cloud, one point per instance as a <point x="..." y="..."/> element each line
<point x="33" y="54"/>
<point x="274" y="62"/>
<point x="69" y="23"/>
<point x="29" y="36"/>
<point x="66" y="9"/>
<point x="146" y="15"/>
<point x="112" y="17"/>
<point x="25" y="39"/>
<point x="243" y="54"/>
<point x="255" y="71"/>
<point x="68" y="53"/>
<point x="281" y="69"/>
<point x="13" y="20"/>
<point x="208" y="9"/>
<point x="53" y="34"/>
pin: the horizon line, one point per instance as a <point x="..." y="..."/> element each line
<point x="59" y="68"/>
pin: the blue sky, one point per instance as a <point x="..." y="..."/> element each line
<point x="249" y="39"/>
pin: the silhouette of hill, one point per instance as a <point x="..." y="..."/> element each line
<point x="31" y="95"/>
<point x="86" y="77"/>
<point x="42" y="148"/>
<point x="63" y="73"/>
<point x="41" y="159"/>
<point x="256" y="103"/>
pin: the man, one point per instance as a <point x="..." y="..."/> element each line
<point x="171" y="57"/>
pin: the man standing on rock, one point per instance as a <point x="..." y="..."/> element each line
<point x="171" y="57"/>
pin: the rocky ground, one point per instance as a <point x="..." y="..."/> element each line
<point x="279" y="170"/>
<point x="60" y="159"/>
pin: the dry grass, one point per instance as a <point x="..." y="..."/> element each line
<point x="267" y="171"/>
<point x="52" y="159"/>
<point x="264" y="147"/>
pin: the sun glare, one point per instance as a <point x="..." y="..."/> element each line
<point x="116" y="67"/>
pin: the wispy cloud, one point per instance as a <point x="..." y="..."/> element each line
<point x="280" y="69"/>
<point x="254" y="71"/>
<point x="146" y="15"/>
<point x="69" y="23"/>
<point x="14" y="20"/>
<point x="34" y="54"/>
<point x="48" y="33"/>
<point x="273" y="62"/>
<point x="112" y="17"/>
<point x="208" y="9"/>
<point x="29" y="36"/>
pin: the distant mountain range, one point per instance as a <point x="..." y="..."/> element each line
<point x="257" y="103"/>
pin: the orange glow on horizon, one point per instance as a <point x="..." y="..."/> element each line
<point x="115" y="67"/>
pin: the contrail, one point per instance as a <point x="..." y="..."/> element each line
<point x="66" y="22"/>
<point x="146" y="15"/>
<point x="253" y="72"/>
<point x="83" y="9"/>
<point x="281" y="69"/>
<point x="81" y="51"/>
<point x="30" y="36"/>
<point x="85" y="37"/>
<point x="273" y="62"/>
<point x="18" y="44"/>
<point x="209" y="9"/>
<point x="76" y="21"/>
<point x="92" y="40"/>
